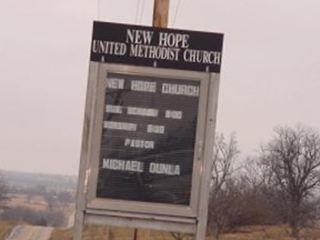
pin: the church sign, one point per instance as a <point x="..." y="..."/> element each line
<point x="149" y="128"/>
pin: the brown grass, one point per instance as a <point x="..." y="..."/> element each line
<point x="35" y="202"/>
<point x="98" y="232"/>
<point x="89" y="233"/>
<point x="268" y="233"/>
<point x="5" y="228"/>
<point x="243" y="233"/>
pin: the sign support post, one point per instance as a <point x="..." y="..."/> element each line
<point x="208" y="153"/>
<point x="160" y="13"/>
<point x="160" y="19"/>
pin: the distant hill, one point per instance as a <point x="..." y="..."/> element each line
<point x="22" y="180"/>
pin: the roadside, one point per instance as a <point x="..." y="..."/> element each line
<point x="5" y="228"/>
<point x="26" y="232"/>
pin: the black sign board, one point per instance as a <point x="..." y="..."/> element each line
<point x="148" y="139"/>
<point x="156" y="47"/>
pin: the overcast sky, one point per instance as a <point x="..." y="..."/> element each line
<point x="270" y="73"/>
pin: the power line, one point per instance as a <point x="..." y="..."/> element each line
<point x="98" y="9"/>
<point x="142" y="11"/>
<point x="176" y="12"/>
<point x="137" y="11"/>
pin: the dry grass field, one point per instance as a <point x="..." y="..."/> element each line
<point x="98" y="233"/>
<point x="5" y="228"/>
<point x="244" y="233"/>
<point x="21" y="200"/>
<point x="268" y="233"/>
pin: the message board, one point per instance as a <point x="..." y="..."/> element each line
<point x="148" y="131"/>
<point x="148" y="139"/>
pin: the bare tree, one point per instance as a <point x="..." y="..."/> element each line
<point x="292" y="161"/>
<point x="3" y="190"/>
<point x="221" y="196"/>
<point x="223" y="159"/>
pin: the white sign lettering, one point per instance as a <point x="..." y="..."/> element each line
<point x="120" y="126"/>
<point x="123" y="165"/>
<point x="138" y="143"/>
<point x="167" y="169"/>
<point x="143" y="86"/>
<point x="109" y="47"/>
<point x="173" y="114"/>
<point x="173" y="40"/>
<point x="115" y="83"/>
<point x="139" y="36"/>
<point x="149" y="112"/>
<point x="154" y="52"/>
<point x="159" y="129"/>
<point x="113" y="109"/>
<point x="199" y="56"/>
<point x="180" y="89"/>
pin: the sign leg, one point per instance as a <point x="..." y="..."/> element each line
<point x="135" y="234"/>
<point x="106" y="234"/>
<point x="141" y="234"/>
<point x="201" y="230"/>
<point x="144" y="234"/>
<point x="78" y="225"/>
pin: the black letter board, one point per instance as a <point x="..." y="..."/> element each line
<point x="148" y="138"/>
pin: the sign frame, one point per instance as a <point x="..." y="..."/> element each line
<point x="125" y="213"/>
<point x="134" y="206"/>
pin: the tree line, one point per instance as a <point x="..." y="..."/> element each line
<point x="53" y="215"/>
<point x="277" y="186"/>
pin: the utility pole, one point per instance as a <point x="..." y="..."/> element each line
<point x="160" y="13"/>
<point x="160" y="19"/>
